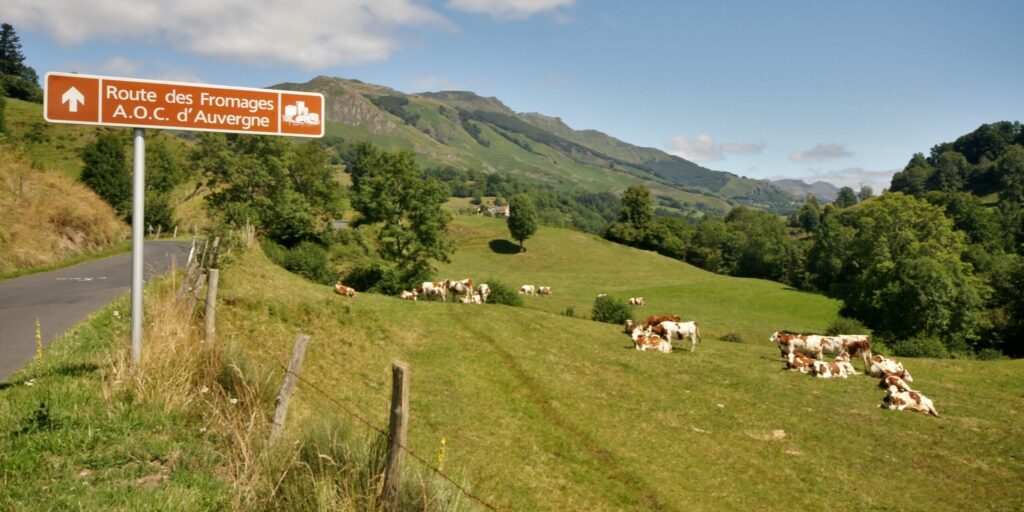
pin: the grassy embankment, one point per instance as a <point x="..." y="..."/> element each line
<point x="545" y="412"/>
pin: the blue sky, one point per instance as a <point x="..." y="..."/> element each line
<point x="841" y="91"/>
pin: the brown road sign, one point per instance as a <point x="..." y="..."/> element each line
<point x="110" y="101"/>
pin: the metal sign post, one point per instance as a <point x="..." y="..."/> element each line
<point x="113" y="101"/>
<point x="138" y="221"/>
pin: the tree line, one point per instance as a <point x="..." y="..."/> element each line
<point x="935" y="269"/>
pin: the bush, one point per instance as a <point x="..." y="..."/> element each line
<point x="846" y="325"/>
<point x="920" y="346"/>
<point x="570" y="312"/>
<point x="611" y="310"/>
<point x="502" y="293"/>
<point x="309" y="260"/>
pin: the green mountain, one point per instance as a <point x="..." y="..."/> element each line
<point x="464" y="130"/>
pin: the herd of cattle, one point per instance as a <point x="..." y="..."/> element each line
<point x="462" y="290"/>
<point x="804" y="353"/>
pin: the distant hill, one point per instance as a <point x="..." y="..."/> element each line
<point x="468" y="131"/>
<point x="824" y="191"/>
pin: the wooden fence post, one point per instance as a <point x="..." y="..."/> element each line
<point x="211" y="307"/>
<point x="398" y="427"/>
<point x="288" y="388"/>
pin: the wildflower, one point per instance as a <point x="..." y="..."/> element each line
<point x="233" y="401"/>
<point x="204" y="389"/>
<point x="30" y="382"/>
<point x="117" y="314"/>
<point x="202" y="430"/>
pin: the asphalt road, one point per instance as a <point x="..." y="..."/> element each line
<point x="62" y="298"/>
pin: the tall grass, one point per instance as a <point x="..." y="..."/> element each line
<point x="319" y="465"/>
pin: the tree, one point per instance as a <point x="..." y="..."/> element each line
<point x="951" y="172"/>
<point x="846" y="198"/>
<point x="105" y="170"/>
<point x="522" y="220"/>
<point x="897" y="263"/>
<point x="865" y="193"/>
<point x="390" y="189"/>
<point x="635" y="218"/>
<point x="1010" y="167"/>
<point x="18" y="80"/>
<point x="913" y="179"/>
<point x="164" y="169"/>
<point x="258" y="180"/>
<point x="809" y="215"/>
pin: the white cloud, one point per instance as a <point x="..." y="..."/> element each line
<point x="853" y="177"/>
<point x="703" y="148"/>
<point x="119" y="66"/>
<point x="311" y="34"/>
<point x="510" y="9"/>
<point x="432" y="83"/>
<point x="820" y="152"/>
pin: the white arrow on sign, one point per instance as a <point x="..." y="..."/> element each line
<point x="72" y="97"/>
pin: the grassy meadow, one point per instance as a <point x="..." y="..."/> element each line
<point x="545" y="412"/>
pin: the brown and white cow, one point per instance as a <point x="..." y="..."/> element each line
<point x="908" y="401"/>
<point x="801" y="363"/>
<point x="484" y="291"/>
<point x="880" y="365"/>
<point x="681" y="331"/>
<point x="657" y="319"/>
<point x="637" y="301"/>
<point x="829" y="370"/>
<point x="844" y="361"/>
<point x="430" y="289"/>
<point x="527" y="289"/>
<point x="341" y="289"/>
<point x="893" y="381"/>
<point x="649" y="341"/>
<point x="857" y="345"/>
<point x="543" y="290"/>
<point x="407" y="295"/>
<point x="790" y="343"/>
<point x="463" y="287"/>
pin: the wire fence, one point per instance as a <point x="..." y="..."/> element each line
<point x="351" y="411"/>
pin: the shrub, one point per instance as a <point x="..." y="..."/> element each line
<point x="920" y="346"/>
<point x="275" y="252"/>
<point x="309" y="260"/>
<point x="846" y="325"/>
<point x="570" y="311"/>
<point x="611" y="310"/>
<point x="502" y="293"/>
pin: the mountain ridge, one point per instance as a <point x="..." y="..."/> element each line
<point x="465" y="130"/>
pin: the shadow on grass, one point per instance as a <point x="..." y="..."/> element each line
<point x="503" y="246"/>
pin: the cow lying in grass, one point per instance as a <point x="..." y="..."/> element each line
<point x="881" y="366"/>
<point x="908" y="401"/>
<point x="341" y="289"/>
<point x="893" y="381"/>
<point x="644" y="340"/>
<point x="801" y="363"/>
<point x="407" y="295"/>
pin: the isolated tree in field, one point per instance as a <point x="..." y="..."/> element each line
<point x="390" y="189"/>
<point x="865" y="193"/>
<point x="846" y="198"/>
<point x="522" y="220"/>
<point x="105" y="170"/>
